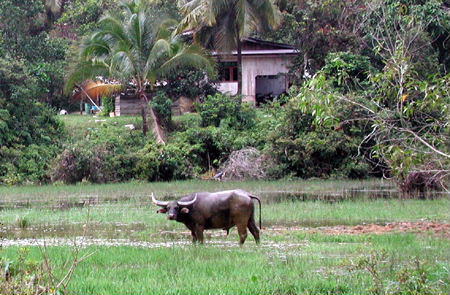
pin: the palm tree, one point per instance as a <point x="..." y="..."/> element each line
<point x="132" y="49"/>
<point x="223" y="24"/>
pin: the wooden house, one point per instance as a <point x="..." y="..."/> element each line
<point x="264" y="69"/>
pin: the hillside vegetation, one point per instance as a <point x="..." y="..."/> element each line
<point x="370" y="95"/>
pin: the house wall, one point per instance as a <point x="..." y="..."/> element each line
<point x="228" y="87"/>
<point x="127" y="106"/>
<point x="253" y="66"/>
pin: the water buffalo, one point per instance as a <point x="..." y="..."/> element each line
<point x="220" y="210"/>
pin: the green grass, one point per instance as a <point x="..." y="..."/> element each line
<point x="314" y="266"/>
<point x="287" y="262"/>
<point x="78" y="125"/>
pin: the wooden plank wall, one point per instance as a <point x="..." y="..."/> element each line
<point x="127" y="106"/>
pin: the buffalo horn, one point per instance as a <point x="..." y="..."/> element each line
<point x="159" y="203"/>
<point x="188" y="202"/>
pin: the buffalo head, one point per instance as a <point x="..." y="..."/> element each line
<point x="174" y="208"/>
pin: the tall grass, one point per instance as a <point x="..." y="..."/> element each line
<point x="314" y="266"/>
<point x="142" y="190"/>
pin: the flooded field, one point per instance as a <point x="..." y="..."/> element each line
<point x="314" y="233"/>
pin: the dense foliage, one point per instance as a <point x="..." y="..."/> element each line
<point x="370" y="95"/>
<point x="29" y="132"/>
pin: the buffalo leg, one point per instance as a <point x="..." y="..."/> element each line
<point x="194" y="237"/>
<point x="242" y="231"/>
<point x="253" y="229"/>
<point x="199" y="234"/>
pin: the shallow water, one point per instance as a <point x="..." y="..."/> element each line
<point x="67" y="202"/>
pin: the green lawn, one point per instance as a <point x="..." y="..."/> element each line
<point x="78" y="125"/>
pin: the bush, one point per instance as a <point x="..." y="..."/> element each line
<point x="71" y="166"/>
<point x="389" y="277"/>
<point x="165" y="162"/>
<point x="162" y="105"/>
<point x="346" y="70"/>
<point x="109" y="105"/>
<point x="205" y="147"/>
<point x="186" y="121"/>
<point x="220" y="107"/>
<point x="190" y="83"/>
<point x="305" y="146"/>
<point x="245" y="164"/>
<point x="27" y="164"/>
<point x="30" y="133"/>
<point x="107" y="154"/>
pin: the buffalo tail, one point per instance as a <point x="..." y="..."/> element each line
<point x="259" y="201"/>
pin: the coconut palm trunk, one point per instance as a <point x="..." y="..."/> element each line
<point x="239" y="62"/>
<point x="144" y="103"/>
<point x="158" y="131"/>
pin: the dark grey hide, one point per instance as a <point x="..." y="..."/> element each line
<point x="219" y="210"/>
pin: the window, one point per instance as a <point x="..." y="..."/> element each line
<point x="228" y="72"/>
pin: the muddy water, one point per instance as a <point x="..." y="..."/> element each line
<point x="86" y="242"/>
<point x="142" y="231"/>
<point x="107" y="230"/>
<point x="382" y="192"/>
<point x="370" y="193"/>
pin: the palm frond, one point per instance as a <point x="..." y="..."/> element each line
<point x="95" y="90"/>
<point x="85" y="70"/>
<point x="227" y="19"/>
<point x="54" y="6"/>
<point x="187" y="56"/>
<point x="160" y="49"/>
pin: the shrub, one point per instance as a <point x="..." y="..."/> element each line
<point x="190" y="83"/>
<point x="245" y="164"/>
<point x="346" y="70"/>
<point x="305" y="145"/>
<point x="30" y="133"/>
<point x="206" y="147"/>
<point x="164" y="162"/>
<point x="220" y="107"/>
<point x="107" y="154"/>
<point x="162" y="105"/>
<point x="186" y="121"/>
<point x="427" y="178"/>
<point x="108" y="103"/>
<point x="71" y="166"/>
<point x="414" y="277"/>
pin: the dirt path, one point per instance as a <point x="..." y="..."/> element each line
<point x="421" y="227"/>
<point x="436" y="228"/>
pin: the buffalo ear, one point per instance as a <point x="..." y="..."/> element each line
<point x="162" y="210"/>
<point x="184" y="210"/>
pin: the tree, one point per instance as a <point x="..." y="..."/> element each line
<point x="24" y="37"/>
<point x="403" y="103"/>
<point x="138" y="51"/>
<point x="223" y="24"/>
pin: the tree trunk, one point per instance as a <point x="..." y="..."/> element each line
<point x="239" y="62"/>
<point x="158" y="131"/>
<point x="144" y="103"/>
